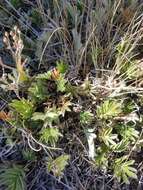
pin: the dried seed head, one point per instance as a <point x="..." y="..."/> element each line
<point x="5" y="40"/>
<point x="14" y="37"/>
<point x="18" y="31"/>
<point x="20" y="41"/>
<point x="12" y="33"/>
<point x="20" y="47"/>
<point x="15" y="28"/>
<point x="6" y="34"/>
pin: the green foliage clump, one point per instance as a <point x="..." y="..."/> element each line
<point x="16" y="3"/>
<point x="50" y="116"/>
<point x="90" y="107"/>
<point x="57" y="166"/>
<point x="29" y="155"/>
<point x="108" y="137"/>
<point x="36" y="17"/>
<point x="23" y="107"/>
<point x="38" y="91"/>
<point x="128" y="132"/>
<point x="109" y="109"/>
<point x="86" y="117"/>
<point x="124" y="169"/>
<point x="50" y="135"/>
<point x="109" y="128"/>
<point x="13" y="177"/>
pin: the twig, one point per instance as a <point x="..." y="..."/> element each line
<point x="30" y="137"/>
<point x="5" y="66"/>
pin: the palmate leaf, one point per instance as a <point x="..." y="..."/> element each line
<point x="123" y="169"/>
<point x="38" y="91"/>
<point x="44" y="76"/>
<point x="50" y="135"/>
<point x="86" y="117"/>
<point x="51" y="115"/>
<point x="108" y="137"/>
<point x="129" y="106"/>
<point x="109" y="109"/>
<point x="13" y="178"/>
<point x="24" y="107"/>
<point x="58" y="165"/>
<point x="128" y="133"/>
<point x="61" y="84"/>
<point x="121" y="146"/>
<point x="62" y="67"/>
<point x="38" y="116"/>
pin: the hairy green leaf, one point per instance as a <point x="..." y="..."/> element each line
<point x="109" y="109"/>
<point x="62" y="67"/>
<point x="38" y="91"/>
<point x="108" y="137"/>
<point x="123" y="169"/>
<point x="86" y="117"/>
<point x="50" y="135"/>
<point x="61" y="84"/>
<point x="58" y="165"/>
<point x="50" y="116"/>
<point x="23" y="107"/>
